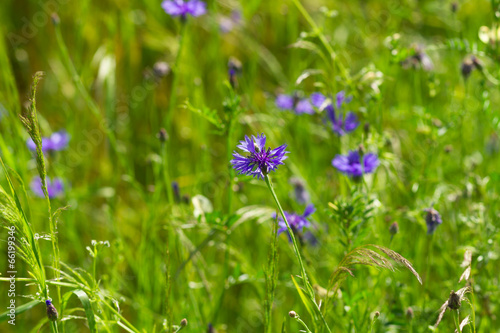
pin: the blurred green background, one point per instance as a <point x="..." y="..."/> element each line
<point x="435" y="132"/>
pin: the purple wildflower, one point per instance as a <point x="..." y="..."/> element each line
<point x="228" y="23"/>
<point x="297" y="222"/>
<point x="340" y="125"/>
<point x="261" y="161"/>
<point x="352" y="165"/>
<point x="181" y="8"/>
<point x="285" y="102"/>
<point x="57" y="141"/>
<point x="55" y="187"/>
<point x="294" y="103"/>
<point x="432" y="219"/>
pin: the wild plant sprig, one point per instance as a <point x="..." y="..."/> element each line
<point x="29" y="119"/>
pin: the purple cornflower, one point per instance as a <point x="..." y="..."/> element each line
<point x="184" y="8"/>
<point x="432" y="219"/>
<point x="340" y="125"/>
<point x="352" y="165"/>
<point x="57" y="141"/>
<point x="294" y="103"/>
<point x="297" y="222"/>
<point x="261" y="161"/>
<point x="55" y="187"/>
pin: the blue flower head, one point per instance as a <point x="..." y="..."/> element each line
<point x="355" y="166"/>
<point x="340" y="125"/>
<point x="432" y="219"/>
<point x="294" y="103"/>
<point x="55" y="187"/>
<point x="259" y="161"/>
<point x="57" y="141"/>
<point x="297" y="222"/>
<point x="184" y="8"/>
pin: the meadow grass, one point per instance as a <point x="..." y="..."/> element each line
<point x="155" y="231"/>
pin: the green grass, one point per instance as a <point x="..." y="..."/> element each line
<point x="139" y="260"/>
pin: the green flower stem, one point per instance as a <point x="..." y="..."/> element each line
<point x="307" y="284"/>
<point x="300" y="321"/>
<point x="166" y="174"/>
<point x="456" y="319"/>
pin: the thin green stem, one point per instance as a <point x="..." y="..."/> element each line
<point x="130" y="326"/>
<point x="324" y="41"/>
<point x="300" y="321"/>
<point x="456" y="319"/>
<point x="305" y="280"/>
<point x="173" y="90"/>
<point x="166" y="174"/>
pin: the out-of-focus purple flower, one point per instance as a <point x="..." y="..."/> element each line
<point x="228" y="23"/>
<point x="304" y="106"/>
<point x="297" y="222"/>
<point x="55" y="187"/>
<point x="260" y="160"/>
<point x="285" y="102"/>
<point x="57" y="141"/>
<point x="300" y="192"/>
<point x="353" y="166"/>
<point x="432" y="219"/>
<point x="184" y="8"/>
<point x="46" y="144"/>
<point x="318" y="99"/>
<point x="294" y="103"/>
<point x="234" y="69"/>
<point x="340" y="125"/>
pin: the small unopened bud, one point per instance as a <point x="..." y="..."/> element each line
<point x="454" y="301"/>
<point x="162" y="135"/>
<point x="448" y="149"/>
<point x="467" y="67"/>
<point x="234" y="69"/>
<point x="292" y="314"/>
<point x="394" y="228"/>
<point x="55" y="19"/>
<point x="366" y="128"/>
<point x="183" y="323"/>
<point x="376" y="314"/>
<point x="361" y="150"/>
<point x="51" y="311"/>
<point x="409" y="313"/>
<point x="161" y="69"/>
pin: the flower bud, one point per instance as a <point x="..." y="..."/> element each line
<point x="454" y="301"/>
<point x="161" y="69"/>
<point x="55" y="19"/>
<point x="292" y="314"/>
<point x="394" y="228"/>
<point x="183" y="323"/>
<point x="51" y="311"/>
<point x="162" y="135"/>
<point x="467" y="67"/>
<point x="409" y="313"/>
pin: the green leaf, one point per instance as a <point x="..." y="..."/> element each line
<point x="208" y="114"/>
<point x="19" y="310"/>
<point x="84" y="299"/>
